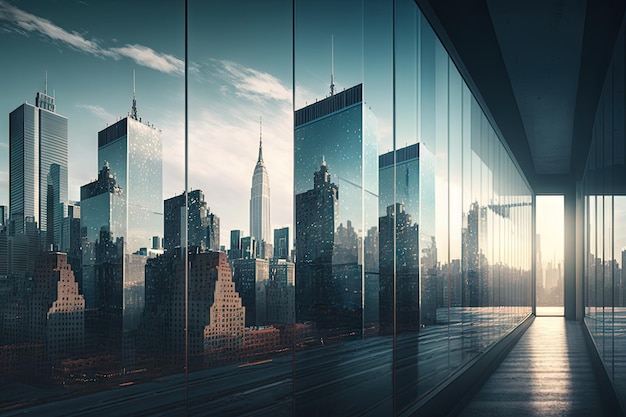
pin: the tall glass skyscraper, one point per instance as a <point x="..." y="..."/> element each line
<point x="332" y="214"/>
<point x="120" y="224"/>
<point x="37" y="141"/>
<point x="260" y="201"/>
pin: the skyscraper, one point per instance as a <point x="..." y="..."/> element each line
<point x="4" y="211"/>
<point x="281" y="243"/>
<point x="406" y="180"/>
<point x="37" y="140"/>
<point x="203" y="226"/>
<point x="332" y="217"/>
<point x="131" y="151"/>
<point x="260" y="200"/>
<point x="316" y="213"/>
<point x="235" y="244"/>
<point x="250" y="277"/>
<point x="56" y="206"/>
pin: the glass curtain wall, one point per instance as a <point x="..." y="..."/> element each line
<point x="604" y="216"/>
<point x="353" y="231"/>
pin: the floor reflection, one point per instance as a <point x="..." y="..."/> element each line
<point x="548" y="373"/>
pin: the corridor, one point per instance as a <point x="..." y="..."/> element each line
<point x="548" y="373"/>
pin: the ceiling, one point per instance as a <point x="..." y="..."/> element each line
<point x="538" y="67"/>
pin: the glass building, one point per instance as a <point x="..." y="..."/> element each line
<point x="332" y="210"/>
<point x="411" y="142"/>
<point x="38" y="142"/>
<point x="120" y="214"/>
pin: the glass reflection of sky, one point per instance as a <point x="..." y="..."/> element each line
<point x="338" y="139"/>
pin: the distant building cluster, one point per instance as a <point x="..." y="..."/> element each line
<point x="104" y="277"/>
<point x="122" y="277"/>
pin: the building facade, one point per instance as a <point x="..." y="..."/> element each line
<point x="37" y="141"/>
<point x="203" y="226"/>
<point x="340" y="131"/>
<point x="250" y="277"/>
<point x="58" y="307"/>
<point x="281" y="243"/>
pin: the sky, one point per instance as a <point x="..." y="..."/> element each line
<point x="240" y="69"/>
<point x="550" y="226"/>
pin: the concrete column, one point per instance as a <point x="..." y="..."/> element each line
<point x="534" y="255"/>
<point x="580" y="254"/>
<point x="570" y="252"/>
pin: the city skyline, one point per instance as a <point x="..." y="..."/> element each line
<point x="90" y="68"/>
<point x="89" y="72"/>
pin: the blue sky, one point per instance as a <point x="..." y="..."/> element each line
<point x="240" y="59"/>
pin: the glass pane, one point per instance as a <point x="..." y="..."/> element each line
<point x="240" y="210"/>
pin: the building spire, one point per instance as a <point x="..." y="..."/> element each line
<point x="133" y="112"/>
<point x="260" y="139"/>
<point x="332" y="64"/>
<point x="45" y="90"/>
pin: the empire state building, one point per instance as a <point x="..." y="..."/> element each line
<point x="260" y="200"/>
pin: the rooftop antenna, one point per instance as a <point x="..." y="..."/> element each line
<point x="332" y="64"/>
<point x="133" y="112"/>
<point x="45" y="90"/>
<point x="260" y="138"/>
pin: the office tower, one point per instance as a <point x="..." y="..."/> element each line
<point x="37" y="140"/>
<point x="201" y="223"/>
<point x="281" y="243"/>
<point x="235" y="244"/>
<point x="4" y="251"/>
<point x="58" y="310"/>
<point x="260" y="200"/>
<point x="4" y="212"/>
<point x="282" y="272"/>
<point x="475" y="266"/>
<point x="316" y="213"/>
<point x="399" y="224"/>
<point x="250" y="277"/>
<point x="121" y="212"/>
<point x="339" y="131"/>
<point x="249" y="247"/>
<point x="71" y="241"/>
<point x="102" y="223"/>
<point x="406" y="180"/>
<point x="132" y="149"/>
<point x="56" y="207"/>
<point x="24" y="249"/>
<point x="213" y="233"/>
<point x="280" y="293"/>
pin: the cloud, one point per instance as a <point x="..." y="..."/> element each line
<point x="148" y="57"/>
<point x="250" y="83"/>
<point x="31" y="23"/>
<point x="4" y="182"/>
<point x="98" y="111"/>
<point x="22" y="22"/>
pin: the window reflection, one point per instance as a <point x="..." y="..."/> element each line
<point x="410" y="221"/>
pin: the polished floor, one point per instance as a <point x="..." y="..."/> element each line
<point x="547" y="373"/>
